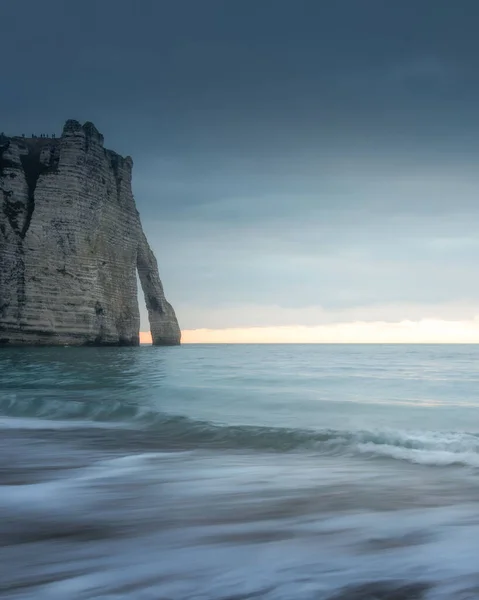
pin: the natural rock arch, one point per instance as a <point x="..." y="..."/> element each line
<point x="71" y="244"/>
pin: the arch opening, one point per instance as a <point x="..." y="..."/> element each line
<point x="145" y="333"/>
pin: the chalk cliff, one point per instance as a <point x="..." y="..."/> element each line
<point x="71" y="245"/>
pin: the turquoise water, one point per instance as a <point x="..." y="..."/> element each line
<point x="239" y="471"/>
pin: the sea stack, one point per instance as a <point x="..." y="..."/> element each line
<point x="71" y="246"/>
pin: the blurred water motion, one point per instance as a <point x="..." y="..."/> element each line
<point x="239" y="472"/>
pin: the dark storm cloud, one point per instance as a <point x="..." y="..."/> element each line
<point x="286" y="152"/>
<point x="218" y="75"/>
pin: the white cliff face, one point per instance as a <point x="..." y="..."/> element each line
<point x="71" y="244"/>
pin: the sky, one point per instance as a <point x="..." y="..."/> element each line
<point x="304" y="170"/>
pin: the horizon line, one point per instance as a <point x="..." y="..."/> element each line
<point x="322" y="343"/>
<point x="424" y="331"/>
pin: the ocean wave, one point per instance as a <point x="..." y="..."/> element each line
<point x="433" y="448"/>
<point x="420" y="447"/>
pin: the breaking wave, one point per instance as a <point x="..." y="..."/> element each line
<point x="433" y="448"/>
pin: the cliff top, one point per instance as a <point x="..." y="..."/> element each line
<point x="71" y="128"/>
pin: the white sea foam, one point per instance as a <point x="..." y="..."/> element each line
<point x="215" y="526"/>
<point x="421" y="447"/>
<point x="422" y="457"/>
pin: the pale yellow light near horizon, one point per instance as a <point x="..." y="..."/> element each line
<point x="404" y="332"/>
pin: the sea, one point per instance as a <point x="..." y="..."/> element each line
<point x="230" y="472"/>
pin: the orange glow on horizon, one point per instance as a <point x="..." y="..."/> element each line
<point x="433" y="331"/>
<point x="145" y="337"/>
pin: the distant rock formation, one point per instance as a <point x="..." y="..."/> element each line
<point x="71" y="245"/>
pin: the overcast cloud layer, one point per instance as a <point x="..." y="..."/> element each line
<point x="296" y="162"/>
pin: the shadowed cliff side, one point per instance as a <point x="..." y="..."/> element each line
<point x="71" y="243"/>
<point x="163" y="324"/>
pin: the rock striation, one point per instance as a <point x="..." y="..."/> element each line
<point x="71" y="246"/>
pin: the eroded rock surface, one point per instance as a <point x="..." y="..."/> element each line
<point x="71" y="244"/>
